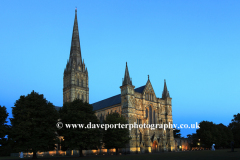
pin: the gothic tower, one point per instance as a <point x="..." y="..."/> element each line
<point x="127" y="96"/>
<point x="128" y="107"/>
<point x="75" y="79"/>
<point x="167" y="118"/>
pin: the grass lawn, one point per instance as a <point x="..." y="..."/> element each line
<point x="223" y="154"/>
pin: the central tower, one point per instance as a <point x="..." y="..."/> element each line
<point x="75" y="79"/>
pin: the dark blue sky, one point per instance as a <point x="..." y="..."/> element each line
<point x="194" y="45"/>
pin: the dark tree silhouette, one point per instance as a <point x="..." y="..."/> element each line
<point x="4" y="130"/>
<point x="34" y="124"/>
<point x="116" y="137"/>
<point x="176" y="133"/>
<point x="235" y="128"/>
<point x="78" y="112"/>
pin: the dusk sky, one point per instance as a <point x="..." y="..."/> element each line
<point x="194" y="45"/>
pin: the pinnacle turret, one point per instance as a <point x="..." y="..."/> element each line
<point x="165" y="92"/>
<point x="126" y="79"/>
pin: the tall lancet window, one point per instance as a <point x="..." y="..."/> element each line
<point x="82" y="83"/>
<point x="150" y="115"/>
<point x="154" y="117"/>
<point x="140" y="137"/>
<point x="146" y="113"/>
<point x="77" y="82"/>
<point x="78" y="96"/>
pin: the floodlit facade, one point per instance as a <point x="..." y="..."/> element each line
<point x="140" y="105"/>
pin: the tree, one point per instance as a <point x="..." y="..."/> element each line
<point x="34" y="124"/>
<point x="205" y="134"/>
<point x="235" y="128"/>
<point x="194" y="140"/>
<point x="176" y="133"/>
<point x="76" y="137"/>
<point x="116" y="137"/>
<point x="210" y="133"/>
<point x="225" y="136"/>
<point x="4" y="130"/>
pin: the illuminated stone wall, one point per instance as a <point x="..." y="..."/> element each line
<point x="133" y="106"/>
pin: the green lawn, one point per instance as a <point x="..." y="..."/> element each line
<point x="224" y="154"/>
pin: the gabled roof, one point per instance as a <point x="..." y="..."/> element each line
<point x="112" y="100"/>
<point x="148" y="84"/>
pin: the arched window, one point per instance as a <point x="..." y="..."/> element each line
<point x="82" y="97"/>
<point x="150" y="115"/>
<point x="78" y="96"/>
<point x="146" y="96"/>
<point x="77" y="82"/>
<point x="146" y="113"/>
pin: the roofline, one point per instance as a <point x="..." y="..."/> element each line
<point x="105" y="99"/>
<point x="115" y="105"/>
<point x="114" y="96"/>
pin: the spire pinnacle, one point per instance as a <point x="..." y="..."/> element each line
<point x="126" y="79"/>
<point x="75" y="51"/>
<point x="165" y="92"/>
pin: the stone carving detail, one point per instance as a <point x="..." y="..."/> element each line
<point x="124" y="100"/>
<point x="137" y="103"/>
<point x="162" y="109"/>
<point x="131" y="101"/>
<point x="169" y="110"/>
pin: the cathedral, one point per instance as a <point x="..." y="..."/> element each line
<point x="139" y="105"/>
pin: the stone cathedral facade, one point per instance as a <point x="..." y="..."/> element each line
<point x="139" y="105"/>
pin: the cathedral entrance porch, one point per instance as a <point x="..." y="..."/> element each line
<point x="155" y="146"/>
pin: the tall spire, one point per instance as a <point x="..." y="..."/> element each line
<point x="75" y="51"/>
<point x="127" y="79"/>
<point x="75" y="76"/>
<point x="165" y="92"/>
